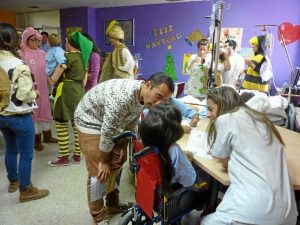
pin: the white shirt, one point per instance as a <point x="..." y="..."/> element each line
<point x="260" y="190"/>
<point x="128" y="62"/>
<point x="206" y="63"/>
<point x="236" y="67"/>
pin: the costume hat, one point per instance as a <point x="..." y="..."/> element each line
<point x="114" y="30"/>
<point x="84" y="44"/>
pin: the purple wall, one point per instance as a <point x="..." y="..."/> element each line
<point x="73" y="17"/>
<point x="184" y="18"/>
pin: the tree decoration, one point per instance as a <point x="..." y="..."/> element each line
<point x="170" y="69"/>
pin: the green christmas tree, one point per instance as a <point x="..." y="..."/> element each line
<point x="170" y="69"/>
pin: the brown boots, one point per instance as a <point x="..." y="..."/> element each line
<point x="38" y="142"/>
<point x="47" y="138"/>
<point x="32" y="193"/>
<point x="13" y="186"/>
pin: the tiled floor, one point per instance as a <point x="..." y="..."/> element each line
<point x="67" y="202"/>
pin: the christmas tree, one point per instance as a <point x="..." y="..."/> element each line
<point x="170" y="69"/>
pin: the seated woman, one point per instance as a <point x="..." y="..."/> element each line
<point x="260" y="190"/>
<point x="162" y="128"/>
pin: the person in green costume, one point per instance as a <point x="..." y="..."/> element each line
<point x="73" y="76"/>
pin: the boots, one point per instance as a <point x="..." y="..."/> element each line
<point x="13" y="186"/>
<point x="38" y="142"/>
<point x="47" y="137"/>
<point x="32" y="193"/>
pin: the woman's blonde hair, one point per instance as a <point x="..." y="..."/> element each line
<point x="228" y="100"/>
<point x="54" y="40"/>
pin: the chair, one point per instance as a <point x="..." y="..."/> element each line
<point x="152" y="203"/>
<point x="290" y="122"/>
<point x="179" y="87"/>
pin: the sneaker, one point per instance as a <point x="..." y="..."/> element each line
<point x="13" y="186"/>
<point x="60" y="161"/>
<point x="76" y="159"/>
<point x="32" y="193"/>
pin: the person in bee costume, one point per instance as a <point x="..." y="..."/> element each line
<point x="254" y="78"/>
<point x="120" y="63"/>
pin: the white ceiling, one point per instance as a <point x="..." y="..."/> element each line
<point x="43" y="5"/>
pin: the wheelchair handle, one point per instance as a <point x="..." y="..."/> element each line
<point x="144" y="152"/>
<point x="125" y="134"/>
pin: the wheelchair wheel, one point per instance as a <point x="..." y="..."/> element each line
<point x="127" y="218"/>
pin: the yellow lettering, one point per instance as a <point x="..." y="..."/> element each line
<point x="170" y="28"/>
<point x="161" y="31"/>
<point x="148" y="46"/>
<point x="157" y="42"/>
<point x="166" y="29"/>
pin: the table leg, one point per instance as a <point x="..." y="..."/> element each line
<point x="213" y="197"/>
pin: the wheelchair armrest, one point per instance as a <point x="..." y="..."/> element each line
<point x="125" y="134"/>
<point x="144" y="152"/>
<point x="194" y="188"/>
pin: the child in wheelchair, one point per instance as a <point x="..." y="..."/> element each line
<point x="166" y="180"/>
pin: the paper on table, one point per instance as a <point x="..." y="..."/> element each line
<point x="185" y="122"/>
<point x="97" y="189"/>
<point x="197" y="144"/>
<point x="188" y="99"/>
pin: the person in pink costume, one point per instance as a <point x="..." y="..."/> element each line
<point x="36" y="60"/>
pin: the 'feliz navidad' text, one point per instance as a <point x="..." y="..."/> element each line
<point x="158" y="33"/>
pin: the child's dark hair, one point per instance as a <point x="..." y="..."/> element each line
<point x="9" y="39"/>
<point x="161" y="128"/>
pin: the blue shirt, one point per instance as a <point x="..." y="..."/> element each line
<point x="54" y="57"/>
<point x="185" y="110"/>
<point x="184" y="172"/>
<point x="45" y="47"/>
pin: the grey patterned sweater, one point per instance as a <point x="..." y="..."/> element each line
<point x="108" y="109"/>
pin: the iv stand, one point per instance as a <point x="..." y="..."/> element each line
<point x="287" y="55"/>
<point x="216" y="46"/>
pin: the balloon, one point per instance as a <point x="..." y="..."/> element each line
<point x="290" y="32"/>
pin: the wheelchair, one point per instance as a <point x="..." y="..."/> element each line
<point x="152" y="203"/>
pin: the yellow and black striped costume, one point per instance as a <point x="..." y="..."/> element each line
<point x="252" y="78"/>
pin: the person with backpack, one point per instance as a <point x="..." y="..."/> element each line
<point x="17" y="103"/>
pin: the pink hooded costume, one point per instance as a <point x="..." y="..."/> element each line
<point x="35" y="59"/>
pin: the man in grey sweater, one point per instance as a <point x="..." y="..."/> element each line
<point x="106" y="110"/>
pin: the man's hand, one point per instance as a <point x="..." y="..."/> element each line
<point x="195" y="120"/>
<point x="186" y="129"/>
<point x="103" y="171"/>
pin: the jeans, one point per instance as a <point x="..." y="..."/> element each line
<point x="18" y="132"/>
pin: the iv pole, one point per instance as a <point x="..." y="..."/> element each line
<point x="287" y="55"/>
<point x="216" y="43"/>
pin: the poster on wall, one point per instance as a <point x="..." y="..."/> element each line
<point x="70" y="30"/>
<point x="186" y="58"/>
<point x="128" y="27"/>
<point x="232" y="34"/>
